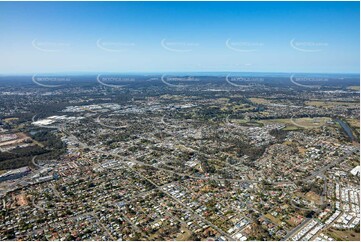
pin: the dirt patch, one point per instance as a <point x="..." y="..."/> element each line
<point x="21" y="199"/>
<point x="313" y="197"/>
<point x="273" y="219"/>
<point x="294" y="221"/>
<point x="184" y="235"/>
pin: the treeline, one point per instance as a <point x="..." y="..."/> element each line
<point x="48" y="139"/>
<point x="19" y="157"/>
<point x="279" y="134"/>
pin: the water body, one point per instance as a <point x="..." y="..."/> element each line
<point x="346" y="128"/>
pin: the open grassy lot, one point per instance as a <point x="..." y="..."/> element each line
<point x="270" y="101"/>
<point x="354" y="123"/>
<point x="7" y="120"/>
<point x="310" y="196"/>
<point x="242" y="107"/>
<point x="185" y="235"/>
<point x="310" y="122"/>
<point x="273" y="219"/>
<point x="237" y="107"/>
<point x="349" y="235"/>
<point x="330" y="104"/>
<point x="354" y="88"/>
<point x="260" y="100"/>
<point x="313" y="197"/>
<point x="299" y="123"/>
<point x="244" y="122"/>
<point x="291" y="128"/>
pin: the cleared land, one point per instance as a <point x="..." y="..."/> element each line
<point x="20" y="138"/>
<point x="355" y="123"/>
<point x="344" y="234"/>
<point x="355" y="88"/>
<point x="260" y="100"/>
<point x="299" y="123"/>
<point x="330" y="104"/>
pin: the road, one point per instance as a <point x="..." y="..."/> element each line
<point x="185" y="207"/>
<point x="102" y="225"/>
<point x="159" y="188"/>
<point x="325" y="168"/>
<point x="293" y="231"/>
<point x="197" y="216"/>
<point x="33" y="161"/>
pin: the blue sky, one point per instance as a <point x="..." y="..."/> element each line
<point x="42" y="37"/>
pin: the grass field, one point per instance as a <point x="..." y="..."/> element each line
<point x="244" y="122"/>
<point x="239" y="107"/>
<point x="6" y="120"/>
<point x="354" y="88"/>
<point x="310" y="122"/>
<point x="313" y="197"/>
<point x="349" y="235"/>
<point x="185" y="235"/>
<point x="260" y="100"/>
<point x="299" y="123"/>
<point x="273" y="219"/>
<point x="328" y="104"/>
<point x="355" y="123"/>
<point x="309" y="196"/>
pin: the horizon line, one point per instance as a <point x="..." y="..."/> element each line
<point x="168" y="72"/>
